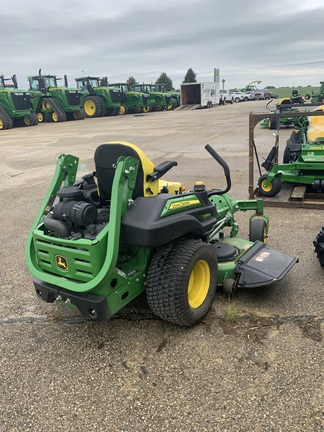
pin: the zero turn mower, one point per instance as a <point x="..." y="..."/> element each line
<point x="99" y="242"/>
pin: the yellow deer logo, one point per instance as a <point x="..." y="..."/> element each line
<point x="61" y="262"/>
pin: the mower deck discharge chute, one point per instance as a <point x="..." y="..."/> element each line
<point x="99" y="242"/>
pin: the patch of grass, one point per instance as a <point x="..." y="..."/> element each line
<point x="282" y="92"/>
<point x="231" y="313"/>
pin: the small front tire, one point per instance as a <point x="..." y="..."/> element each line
<point x="258" y="230"/>
<point x="272" y="189"/>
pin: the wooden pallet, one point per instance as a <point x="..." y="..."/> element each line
<point x="292" y="195"/>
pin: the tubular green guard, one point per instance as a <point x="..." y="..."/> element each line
<point x="122" y="188"/>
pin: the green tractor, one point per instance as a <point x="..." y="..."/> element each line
<point x="174" y="94"/>
<point x="15" y="105"/>
<point x="316" y="96"/>
<point x="282" y="106"/>
<point x="99" y="100"/>
<point x="52" y="102"/>
<point x="99" y="242"/>
<point x="159" y="101"/>
<point x="132" y="101"/>
<point x="303" y="159"/>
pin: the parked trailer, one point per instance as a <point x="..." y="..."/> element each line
<point x="199" y="95"/>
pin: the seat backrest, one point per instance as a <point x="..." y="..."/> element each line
<point x="315" y="130"/>
<point x="105" y="158"/>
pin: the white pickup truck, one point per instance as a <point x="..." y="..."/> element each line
<point x="225" y="97"/>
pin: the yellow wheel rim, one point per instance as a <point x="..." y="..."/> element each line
<point x="198" y="285"/>
<point x="27" y="120"/>
<point x="1" y="124"/>
<point x="169" y="107"/>
<point x="137" y="110"/>
<point x="89" y="107"/>
<point x="146" y="109"/>
<point x="122" y="110"/>
<point x="266" y="188"/>
<point x="40" y="117"/>
<point x="54" y="117"/>
<point x="45" y="105"/>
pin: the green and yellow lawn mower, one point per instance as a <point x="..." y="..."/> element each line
<point x="282" y="106"/>
<point x="303" y="159"/>
<point x="99" y="242"/>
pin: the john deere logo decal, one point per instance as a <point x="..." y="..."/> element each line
<point x="61" y="262"/>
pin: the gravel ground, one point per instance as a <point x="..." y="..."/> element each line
<point x="263" y="371"/>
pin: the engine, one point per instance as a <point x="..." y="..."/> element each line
<point x="77" y="213"/>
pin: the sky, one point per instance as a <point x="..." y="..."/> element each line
<point x="278" y="42"/>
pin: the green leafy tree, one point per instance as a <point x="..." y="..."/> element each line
<point x="131" y="81"/>
<point x="190" y="76"/>
<point x="165" y="81"/>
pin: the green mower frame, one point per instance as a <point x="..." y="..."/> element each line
<point x="99" y="242"/>
<point x="303" y="160"/>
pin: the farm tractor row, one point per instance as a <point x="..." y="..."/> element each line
<point x="46" y="100"/>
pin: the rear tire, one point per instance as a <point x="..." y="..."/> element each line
<point x="92" y="106"/>
<point x="181" y="281"/>
<point x="102" y="106"/>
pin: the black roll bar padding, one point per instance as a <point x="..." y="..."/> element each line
<point x="225" y="167"/>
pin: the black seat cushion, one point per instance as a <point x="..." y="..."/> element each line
<point x="105" y="158"/>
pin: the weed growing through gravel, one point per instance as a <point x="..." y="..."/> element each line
<point x="231" y="313"/>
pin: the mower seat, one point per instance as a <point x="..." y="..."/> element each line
<point x="315" y="131"/>
<point x="285" y="101"/>
<point x="147" y="183"/>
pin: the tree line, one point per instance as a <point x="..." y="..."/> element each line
<point x="166" y="81"/>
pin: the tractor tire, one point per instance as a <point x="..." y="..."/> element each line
<point x="272" y="189"/>
<point x="182" y="280"/>
<point x="258" y="230"/>
<point x="79" y="114"/>
<point x="137" y="110"/>
<point x="146" y="109"/>
<point x="92" y="106"/>
<point x="123" y="110"/>
<point x="30" y="120"/>
<point x="103" y="112"/>
<point x="6" y="121"/>
<point x="40" y="117"/>
<point x="112" y="112"/>
<point x="58" y="116"/>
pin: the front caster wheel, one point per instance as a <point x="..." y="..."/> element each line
<point x="272" y="188"/>
<point x="258" y="230"/>
<point x="181" y="281"/>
